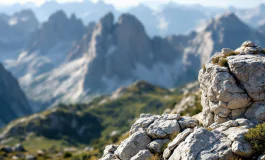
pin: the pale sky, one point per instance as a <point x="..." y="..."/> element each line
<point x="128" y="3"/>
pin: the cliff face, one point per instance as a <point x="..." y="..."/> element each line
<point x="13" y="102"/>
<point x="233" y="102"/>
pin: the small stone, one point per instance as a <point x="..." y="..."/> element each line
<point x="19" y="148"/>
<point x="251" y="50"/>
<point x="157" y="145"/>
<point x="162" y="128"/>
<point x="227" y="51"/>
<point x="188" y="122"/>
<point x="248" y="44"/>
<point x="110" y="149"/>
<point x="142" y="155"/>
<point x="242" y="149"/>
<point x="167" y="153"/>
<point x="132" y="145"/>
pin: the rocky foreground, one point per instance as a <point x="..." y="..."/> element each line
<point x="233" y="99"/>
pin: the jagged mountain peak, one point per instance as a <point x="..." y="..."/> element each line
<point x="107" y="21"/>
<point x="25" y="12"/>
<point x="58" y="29"/>
<point x="129" y="19"/>
<point x="57" y="17"/>
<point x="227" y="20"/>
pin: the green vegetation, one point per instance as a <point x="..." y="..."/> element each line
<point x="256" y="137"/>
<point x="95" y="121"/>
<point x="67" y="155"/>
<point x="204" y="67"/>
<point x="222" y="60"/>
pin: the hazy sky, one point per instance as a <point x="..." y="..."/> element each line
<point x="128" y="3"/>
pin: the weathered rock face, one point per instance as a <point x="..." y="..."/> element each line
<point x="237" y="89"/>
<point x="233" y="102"/>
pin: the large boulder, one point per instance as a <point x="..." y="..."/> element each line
<point x="203" y="144"/>
<point x="233" y="85"/>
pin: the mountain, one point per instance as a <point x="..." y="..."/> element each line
<point x="47" y="46"/>
<point x="109" y="55"/>
<point x="17" y="29"/>
<point x="252" y="16"/>
<point x="223" y="31"/>
<point x="13" y="101"/>
<point x="86" y="10"/>
<point x="171" y="18"/>
<point x="176" y="19"/>
<point x="148" y="17"/>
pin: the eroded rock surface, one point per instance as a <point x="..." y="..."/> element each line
<point x="237" y="89"/>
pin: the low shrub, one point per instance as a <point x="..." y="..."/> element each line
<point x="67" y="155"/>
<point x="223" y="62"/>
<point x="256" y="137"/>
<point x="215" y="60"/>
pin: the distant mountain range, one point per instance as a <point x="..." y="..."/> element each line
<point x="66" y="61"/>
<point x="163" y="22"/>
<point x="171" y="18"/>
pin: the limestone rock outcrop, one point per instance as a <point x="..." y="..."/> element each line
<point x="233" y="101"/>
<point x="236" y="89"/>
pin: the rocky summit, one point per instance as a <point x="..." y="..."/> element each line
<point x="232" y="86"/>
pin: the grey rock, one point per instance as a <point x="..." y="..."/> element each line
<point x="110" y="149"/>
<point x="248" y="44"/>
<point x="157" y="145"/>
<point x="222" y="92"/>
<point x="188" y="122"/>
<point x="249" y="71"/>
<point x="162" y="128"/>
<point x="242" y="148"/>
<point x="19" y="148"/>
<point x="142" y="155"/>
<point x="132" y="145"/>
<point x="166" y="154"/>
<point x="180" y="137"/>
<point x="171" y="116"/>
<point x="204" y="144"/>
<point x="227" y="51"/>
<point x="143" y="122"/>
<point x="256" y="112"/>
